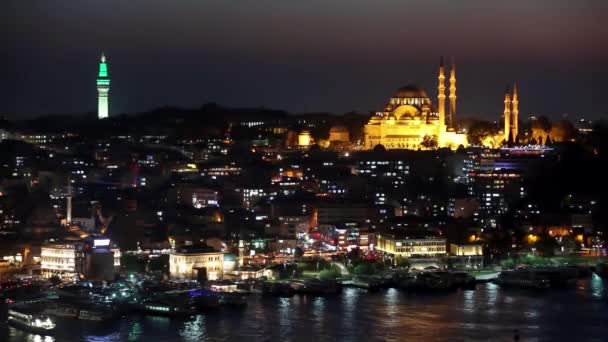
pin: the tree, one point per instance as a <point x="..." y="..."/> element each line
<point x="299" y="252"/>
<point x="363" y="268"/>
<point x="160" y="263"/>
<point x="541" y="127"/>
<point x="379" y="148"/>
<point x="562" y="130"/>
<point x="480" y="130"/>
<point x="429" y="142"/>
<point x="547" y="245"/>
<point x="330" y="274"/>
<point x="55" y="280"/>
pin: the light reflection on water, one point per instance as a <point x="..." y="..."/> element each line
<point x="488" y="313"/>
<point x="597" y="286"/>
<point x="194" y="330"/>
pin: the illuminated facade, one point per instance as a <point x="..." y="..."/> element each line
<point x="58" y="259"/>
<point x="466" y="249"/>
<point x="410" y="121"/>
<point x="411" y="246"/>
<point x="103" y="89"/>
<point x="183" y="264"/>
<point x="304" y="139"/>
<point x="339" y="134"/>
<point x="71" y="259"/>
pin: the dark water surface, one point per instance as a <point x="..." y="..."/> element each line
<point x="488" y="313"/>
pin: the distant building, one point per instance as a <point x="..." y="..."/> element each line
<point x="188" y="262"/>
<point x="411" y="246"/>
<point x="341" y="211"/>
<point x="304" y="139"/>
<point x="466" y="256"/>
<point x="463" y="207"/>
<point x="96" y="259"/>
<point x="339" y="135"/>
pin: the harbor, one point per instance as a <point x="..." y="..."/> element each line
<point x="45" y="311"/>
<point x="389" y="314"/>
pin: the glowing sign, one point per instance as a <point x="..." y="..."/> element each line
<point x="101" y="242"/>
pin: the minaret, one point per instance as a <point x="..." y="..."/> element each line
<point x="452" y="115"/>
<point x="68" y="206"/>
<point x="515" y="113"/>
<point x="103" y="88"/>
<point x="241" y="253"/>
<point x="507" y="115"/>
<point x="441" y="95"/>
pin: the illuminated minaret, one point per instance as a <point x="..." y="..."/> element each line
<point x="514" y="113"/>
<point x="103" y="88"/>
<point x="441" y="94"/>
<point x="68" y="206"/>
<point x="452" y="115"/>
<point x="241" y="253"/>
<point x="507" y="115"/>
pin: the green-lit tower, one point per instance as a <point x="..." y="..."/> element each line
<point x="103" y="89"/>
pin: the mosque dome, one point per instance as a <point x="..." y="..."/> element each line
<point x="410" y="91"/>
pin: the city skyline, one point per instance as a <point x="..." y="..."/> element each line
<point x="311" y="63"/>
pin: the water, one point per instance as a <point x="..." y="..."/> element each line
<point x="487" y="314"/>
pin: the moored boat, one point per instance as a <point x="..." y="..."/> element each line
<point x="278" y="289"/>
<point x="30" y="320"/>
<point x="523" y="279"/>
<point x="233" y="299"/>
<point x="167" y="309"/>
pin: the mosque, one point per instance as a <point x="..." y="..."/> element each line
<point x="411" y="121"/>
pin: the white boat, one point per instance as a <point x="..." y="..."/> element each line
<point x="30" y="321"/>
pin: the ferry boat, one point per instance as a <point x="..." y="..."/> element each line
<point x="166" y="309"/>
<point x="316" y="287"/>
<point x="233" y="299"/>
<point x="463" y="280"/>
<point x="433" y="281"/>
<point x="94" y="315"/>
<point x="61" y="310"/>
<point x="278" y="289"/>
<point x="85" y="312"/>
<point x="558" y="276"/>
<point x="30" y="321"/>
<point x="523" y="279"/>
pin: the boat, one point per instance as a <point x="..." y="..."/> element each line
<point x="204" y="299"/>
<point x="85" y="312"/>
<point x="463" y="280"/>
<point x="316" y="287"/>
<point x="433" y="281"/>
<point x="403" y="280"/>
<point x="61" y="310"/>
<point x="559" y="277"/>
<point x="233" y="299"/>
<point x="523" y="278"/>
<point x="167" y="309"/>
<point x="30" y="320"/>
<point x="95" y="315"/>
<point x="278" y="289"/>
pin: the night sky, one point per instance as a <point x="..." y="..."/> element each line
<point x="302" y="56"/>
